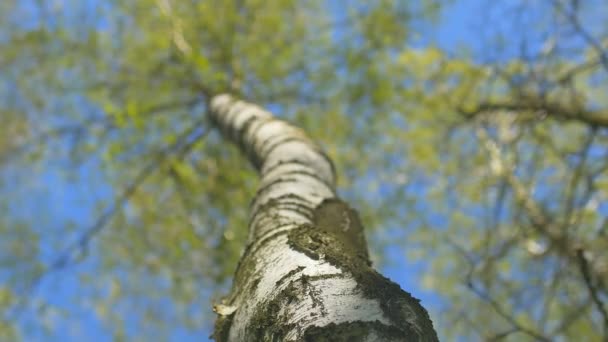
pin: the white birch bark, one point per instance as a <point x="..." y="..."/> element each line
<point x="305" y="274"/>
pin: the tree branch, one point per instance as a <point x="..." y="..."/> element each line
<point x="593" y="292"/>
<point x="501" y="311"/>
<point x="553" y="110"/>
<point x="106" y="121"/>
<point x="573" y="18"/>
<point x="184" y="143"/>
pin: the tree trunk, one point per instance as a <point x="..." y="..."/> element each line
<point x="305" y="274"/>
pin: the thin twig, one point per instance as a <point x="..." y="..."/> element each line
<point x="496" y="306"/>
<point x="603" y="56"/>
<point x="105" y="122"/>
<point x="593" y="292"/>
<point x="484" y="296"/>
<point x="179" y="146"/>
<point x="502" y="335"/>
<point x="570" y="191"/>
<point x="570" y="73"/>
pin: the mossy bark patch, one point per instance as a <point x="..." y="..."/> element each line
<point x="400" y="307"/>
<point x="337" y="218"/>
<point x="267" y="323"/>
<point x="353" y="332"/>
<point x="222" y="328"/>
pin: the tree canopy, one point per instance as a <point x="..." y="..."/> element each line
<point x="472" y="136"/>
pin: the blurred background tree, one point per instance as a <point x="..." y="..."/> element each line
<point x="471" y="135"/>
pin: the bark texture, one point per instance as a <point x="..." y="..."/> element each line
<point x="305" y="274"/>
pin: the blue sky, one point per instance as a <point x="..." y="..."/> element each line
<point x="54" y="200"/>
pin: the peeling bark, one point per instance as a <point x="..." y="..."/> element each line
<point x="305" y="274"/>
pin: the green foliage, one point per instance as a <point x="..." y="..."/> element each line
<point x="494" y="172"/>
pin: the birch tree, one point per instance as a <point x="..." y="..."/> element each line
<point x="305" y="274"/>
